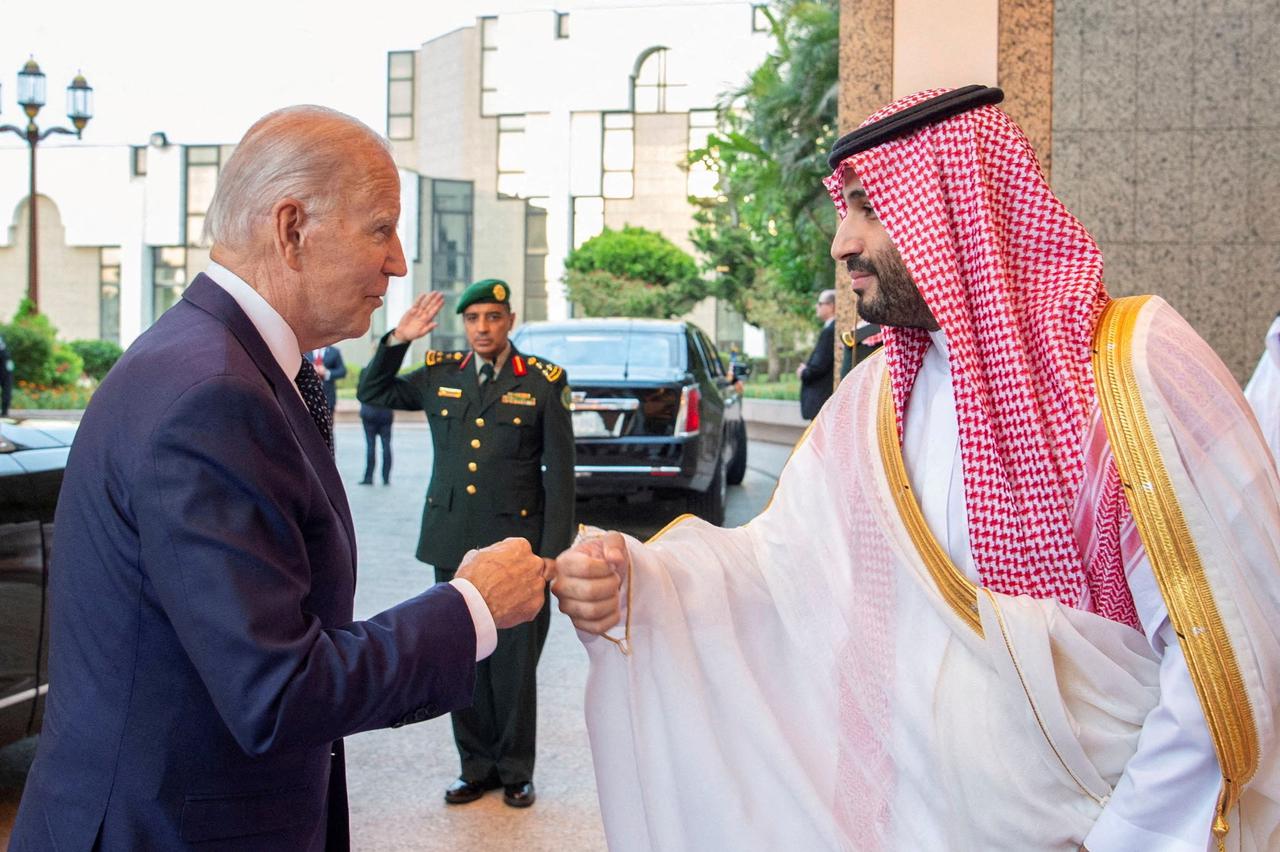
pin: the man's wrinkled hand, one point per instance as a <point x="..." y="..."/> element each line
<point x="420" y="318"/>
<point x="588" y="578"/>
<point x="509" y="576"/>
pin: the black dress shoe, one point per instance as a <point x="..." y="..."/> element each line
<point x="462" y="791"/>
<point x="519" y="795"/>
<point x="366" y="482"/>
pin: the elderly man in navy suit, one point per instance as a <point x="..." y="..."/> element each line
<point x="205" y="665"/>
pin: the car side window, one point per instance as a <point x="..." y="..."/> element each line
<point x="713" y="356"/>
<point x="697" y="361"/>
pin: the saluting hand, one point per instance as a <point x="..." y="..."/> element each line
<point x="420" y="318"/>
<point x="509" y="576"/>
<point x="587" y="580"/>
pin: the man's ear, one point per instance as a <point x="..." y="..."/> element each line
<point x="287" y="219"/>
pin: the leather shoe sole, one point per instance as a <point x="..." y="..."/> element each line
<point x="519" y="795"/>
<point x="461" y="792"/>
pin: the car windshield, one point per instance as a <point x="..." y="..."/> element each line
<point x="622" y="350"/>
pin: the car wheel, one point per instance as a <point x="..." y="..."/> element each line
<point x="738" y="467"/>
<point x="709" y="504"/>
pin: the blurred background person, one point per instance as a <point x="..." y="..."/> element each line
<point x="377" y="425"/>
<point x="815" y="373"/>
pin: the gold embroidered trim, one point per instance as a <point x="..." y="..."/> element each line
<point x="1174" y="558"/>
<point x="960" y="593"/>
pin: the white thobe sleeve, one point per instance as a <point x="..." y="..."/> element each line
<point x="1165" y="799"/>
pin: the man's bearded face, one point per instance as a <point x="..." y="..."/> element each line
<point x="880" y="280"/>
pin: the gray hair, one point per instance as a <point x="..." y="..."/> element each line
<point x="827" y="297"/>
<point x="299" y="152"/>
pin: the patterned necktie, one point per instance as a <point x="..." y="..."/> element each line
<point x="309" y="384"/>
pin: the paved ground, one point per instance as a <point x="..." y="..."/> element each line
<point x="397" y="778"/>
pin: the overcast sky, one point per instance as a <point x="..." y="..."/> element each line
<point x="202" y="72"/>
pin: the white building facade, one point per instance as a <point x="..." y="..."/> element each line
<point x="517" y="139"/>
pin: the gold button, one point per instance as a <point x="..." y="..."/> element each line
<point x="524" y="513"/>
<point x="479" y="421"/>
<point x="471" y="489"/>
<point x="444" y="412"/>
<point x="471" y="466"/>
<point x="475" y="443"/>
<point x="516" y="421"/>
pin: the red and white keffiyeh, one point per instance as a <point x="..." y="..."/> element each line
<point x="1015" y="282"/>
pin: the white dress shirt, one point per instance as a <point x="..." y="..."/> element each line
<point x="283" y="343"/>
<point x="1164" y="801"/>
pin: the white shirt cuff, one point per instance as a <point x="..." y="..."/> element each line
<point x="1113" y="834"/>
<point x="486" y="630"/>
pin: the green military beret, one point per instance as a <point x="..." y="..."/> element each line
<point x="488" y="290"/>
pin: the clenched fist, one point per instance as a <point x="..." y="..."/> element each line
<point x="509" y="576"/>
<point x="588" y="577"/>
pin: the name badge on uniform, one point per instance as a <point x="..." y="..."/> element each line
<point x="452" y="393"/>
<point x="518" y="398"/>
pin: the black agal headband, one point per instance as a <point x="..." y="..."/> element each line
<point x="912" y="118"/>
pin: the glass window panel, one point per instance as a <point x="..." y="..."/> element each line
<point x="399" y="127"/>
<point x="171" y="256"/>
<point x="195" y="230"/>
<point x="400" y="65"/>
<point x="201" y="182"/>
<point x="702" y="181"/>
<point x="619" y="153"/>
<point x="110" y="275"/>
<point x="618" y="185"/>
<point x="400" y="97"/>
<point x="203" y="154"/>
<point x="759" y="23"/>
<point x="619" y="120"/>
<point x="646" y="99"/>
<point x="511" y="152"/>
<point x="110" y="255"/>
<point x="139" y="160"/>
<point x="511" y="122"/>
<point x="562" y="25"/>
<point x="536" y="229"/>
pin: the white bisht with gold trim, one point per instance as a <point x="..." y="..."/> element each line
<point x="824" y="678"/>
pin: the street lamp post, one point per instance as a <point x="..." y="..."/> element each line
<point x="31" y="97"/>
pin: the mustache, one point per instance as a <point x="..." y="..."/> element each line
<point x="860" y="264"/>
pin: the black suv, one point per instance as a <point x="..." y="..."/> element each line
<point x="653" y="408"/>
<point x="32" y="457"/>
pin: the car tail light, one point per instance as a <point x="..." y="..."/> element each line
<point x="688" y="419"/>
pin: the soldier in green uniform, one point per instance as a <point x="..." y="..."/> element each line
<point x="503" y="466"/>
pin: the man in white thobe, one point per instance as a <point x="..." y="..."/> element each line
<point x="1017" y="587"/>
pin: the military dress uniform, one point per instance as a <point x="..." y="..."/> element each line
<point x="490" y="444"/>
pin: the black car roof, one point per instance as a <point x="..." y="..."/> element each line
<point x="608" y="323"/>
<point x="35" y="434"/>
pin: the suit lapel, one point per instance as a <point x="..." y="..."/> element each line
<point x="209" y="297"/>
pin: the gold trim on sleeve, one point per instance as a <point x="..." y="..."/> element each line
<point x="960" y="593"/>
<point x="1174" y="559"/>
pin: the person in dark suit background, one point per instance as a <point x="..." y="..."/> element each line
<point x="327" y="361"/>
<point x="205" y="663"/>
<point x="816" y="373"/>
<point x="6" y="378"/>
<point x="377" y="422"/>
<point x="504" y="455"/>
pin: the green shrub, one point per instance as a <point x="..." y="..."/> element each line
<point x="99" y="356"/>
<point x="31" y="351"/>
<point x="66" y="367"/>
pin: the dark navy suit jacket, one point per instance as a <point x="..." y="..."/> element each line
<point x="204" y="662"/>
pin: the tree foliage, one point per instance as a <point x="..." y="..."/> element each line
<point x="767" y="234"/>
<point x="38" y="356"/>
<point x="633" y="272"/>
